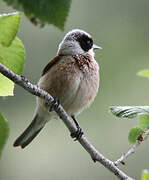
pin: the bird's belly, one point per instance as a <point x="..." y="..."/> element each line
<point x="85" y="94"/>
<point x="60" y="84"/>
<point x="76" y="89"/>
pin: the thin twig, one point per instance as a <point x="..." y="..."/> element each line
<point x="132" y="149"/>
<point x="35" y="90"/>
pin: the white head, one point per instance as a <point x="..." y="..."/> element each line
<point x="77" y="42"/>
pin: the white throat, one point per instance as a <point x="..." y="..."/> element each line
<point x="69" y="47"/>
<point x="72" y="48"/>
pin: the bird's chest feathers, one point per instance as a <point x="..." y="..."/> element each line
<point x="84" y="63"/>
<point x="87" y="66"/>
<point x="89" y="79"/>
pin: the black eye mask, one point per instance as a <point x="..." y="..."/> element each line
<point x="86" y="42"/>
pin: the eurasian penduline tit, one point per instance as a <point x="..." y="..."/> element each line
<point x="72" y="77"/>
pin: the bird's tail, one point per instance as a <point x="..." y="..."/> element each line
<point x="31" y="132"/>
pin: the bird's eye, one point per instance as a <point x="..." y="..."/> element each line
<point x="86" y="42"/>
<point x="89" y="42"/>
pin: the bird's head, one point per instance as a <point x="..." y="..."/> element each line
<point x="77" y="42"/>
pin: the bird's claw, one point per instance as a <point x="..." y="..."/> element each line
<point x="78" y="134"/>
<point x="54" y="104"/>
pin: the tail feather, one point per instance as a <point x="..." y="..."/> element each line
<point x="30" y="133"/>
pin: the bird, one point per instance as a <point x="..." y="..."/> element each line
<point x="71" y="77"/>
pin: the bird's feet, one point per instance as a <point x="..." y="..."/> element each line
<point x="78" y="134"/>
<point x="54" y="104"/>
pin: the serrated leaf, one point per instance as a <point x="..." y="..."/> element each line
<point x="9" y="24"/>
<point x="13" y="57"/>
<point x="47" y="11"/>
<point x="129" y="111"/>
<point x="144" y="121"/>
<point x="134" y="134"/>
<point x="4" y="132"/>
<point x="145" y="175"/>
<point x="144" y="73"/>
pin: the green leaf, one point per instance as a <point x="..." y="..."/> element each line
<point x="7" y="86"/>
<point x="129" y="111"/>
<point x="134" y="134"/>
<point x="144" y="73"/>
<point x="144" y="120"/>
<point x="4" y="132"/>
<point x="145" y="175"/>
<point x="12" y="53"/>
<point x="13" y="57"/>
<point x="9" y="24"/>
<point x="45" y="11"/>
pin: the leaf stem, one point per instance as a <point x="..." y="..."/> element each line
<point x="132" y="149"/>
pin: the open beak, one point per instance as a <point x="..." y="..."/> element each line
<point x="96" y="47"/>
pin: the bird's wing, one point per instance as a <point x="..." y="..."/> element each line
<point x="50" y="64"/>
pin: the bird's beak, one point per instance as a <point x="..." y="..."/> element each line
<point x="96" y="47"/>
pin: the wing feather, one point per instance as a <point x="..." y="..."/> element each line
<point x="50" y="64"/>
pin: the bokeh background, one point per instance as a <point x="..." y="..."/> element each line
<point x="122" y="29"/>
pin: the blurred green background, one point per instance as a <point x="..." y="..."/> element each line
<point x="122" y="29"/>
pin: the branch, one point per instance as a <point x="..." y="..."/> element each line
<point x="132" y="149"/>
<point x="35" y="90"/>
